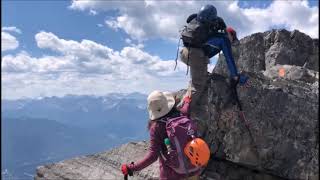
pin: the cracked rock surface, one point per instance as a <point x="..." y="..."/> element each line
<point x="282" y="113"/>
<point x="104" y="166"/>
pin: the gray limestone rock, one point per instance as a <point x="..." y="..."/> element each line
<point x="283" y="119"/>
<point x="102" y="166"/>
<point x="292" y="72"/>
<point x="281" y="112"/>
<point x="106" y="166"/>
<point x="262" y="51"/>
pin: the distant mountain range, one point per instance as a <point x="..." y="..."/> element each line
<point x="43" y="130"/>
<point x="111" y="113"/>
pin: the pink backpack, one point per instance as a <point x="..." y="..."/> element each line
<point x="180" y="131"/>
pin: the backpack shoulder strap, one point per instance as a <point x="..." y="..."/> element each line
<point x="222" y="23"/>
<point x="162" y="120"/>
<point x="191" y="17"/>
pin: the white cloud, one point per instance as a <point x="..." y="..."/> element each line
<point x="132" y="44"/>
<point x="93" y="12"/>
<point x="112" y="24"/>
<point x="129" y="25"/>
<point x="8" y="42"/>
<point x="128" y="41"/>
<point x="143" y="19"/>
<point x="292" y="14"/>
<point x="12" y="29"/>
<point x="87" y="67"/>
<point x="162" y="19"/>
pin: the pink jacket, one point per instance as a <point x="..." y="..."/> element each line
<point x="157" y="136"/>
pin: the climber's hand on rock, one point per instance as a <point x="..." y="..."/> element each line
<point x="248" y="84"/>
<point x="243" y="79"/>
<point x="187" y="99"/>
<point x="239" y="79"/>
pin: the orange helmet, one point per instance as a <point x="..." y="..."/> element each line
<point x="198" y="152"/>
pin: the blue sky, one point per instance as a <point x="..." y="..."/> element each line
<point x="54" y="16"/>
<point x="124" y="40"/>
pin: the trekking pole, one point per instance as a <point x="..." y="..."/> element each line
<point x="242" y="116"/>
<point x="129" y="172"/>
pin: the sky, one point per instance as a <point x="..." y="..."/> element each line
<point x="54" y="48"/>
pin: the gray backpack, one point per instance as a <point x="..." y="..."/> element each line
<point x="194" y="34"/>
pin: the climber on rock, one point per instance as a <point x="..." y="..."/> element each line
<point x="204" y="36"/>
<point x="180" y="158"/>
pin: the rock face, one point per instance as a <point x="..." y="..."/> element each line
<point x="262" y="51"/>
<point x="104" y="165"/>
<point x="281" y="109"/>
<point x="283" y="119"/>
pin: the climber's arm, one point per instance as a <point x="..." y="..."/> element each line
<point x="224" y="44"/>
<point x="153" y="154"/>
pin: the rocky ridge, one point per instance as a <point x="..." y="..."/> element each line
<point x="282" y="112"/>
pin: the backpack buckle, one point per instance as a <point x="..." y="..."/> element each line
<point x="172" y="131"/>
<point x="190" y="132"/>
